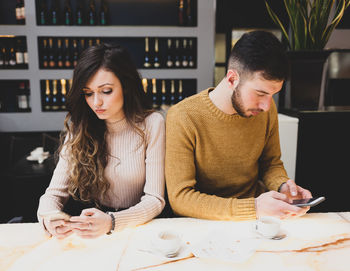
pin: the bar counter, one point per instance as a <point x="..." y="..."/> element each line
<point x="316" y="241"/>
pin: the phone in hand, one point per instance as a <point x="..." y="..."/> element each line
<point x="308" y="202"/>
<point x="55" y="215"/>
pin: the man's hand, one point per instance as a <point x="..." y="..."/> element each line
<point x="91" y="223"/>
<point x="293" y="191"/>
<point x="277" y="204"/>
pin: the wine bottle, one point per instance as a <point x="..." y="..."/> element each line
<point x="147" y="59"/>
<point x="169" y="58"/>
<point x="60" y="63"/>
<point x="54" y="13"/>
<point x="67" y="13"/>
<point x="12" y="57"/>
<point x="181" y="13"/>
<point x="82" y="46"/>
<point x="63" y="94"/>
<point x="20" y="12"/>
<point x="25" y="53"/>
<point x="52" y="55"/>
<point x="145" y="84"/>
<point x="79" y="14"/>
<point x="55" y="101"/>
<point x="48" y="98"/>
<point x="19" y="54"/>
<point x="103" y="18"/>
<point x="90" y="42"/>
<point x="45" y="57"/>
<point x="190" y="54"/>
<point x="180" y="97"/>
<point x="75" y="53"/>
<point x="156" y="61"/>
<point x="67" y="55"/>
<point x="189" y="16"/>
<point x="22" y="98"/>
<point x="97" y="41"/>
<point x="43" y="16"/>
<point x="164" y="101"/>
<point x="184" y="56"/>
<point x="92" y="13"/>
<point x="177" y="60"/>
<point x="3" y="58"/>
<point x="154" y="94"/>
<point x="172" y="93"/>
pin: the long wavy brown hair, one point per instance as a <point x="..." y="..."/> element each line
<point x="83" y="141"/>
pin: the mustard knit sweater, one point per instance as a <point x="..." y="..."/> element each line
<point x="214" y="160"/>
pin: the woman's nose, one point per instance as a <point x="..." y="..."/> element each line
<point x="98" y="100"/>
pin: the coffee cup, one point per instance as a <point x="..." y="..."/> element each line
<point x="167" y="242"/>
<point x="268" y="226"/>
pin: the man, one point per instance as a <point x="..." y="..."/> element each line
<point x="222" y="144"/>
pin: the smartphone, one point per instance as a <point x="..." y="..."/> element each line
<point x="308" y="202"/>
<point x="56" y="215"/>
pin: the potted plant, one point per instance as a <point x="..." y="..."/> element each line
<point x="311" y="23"/>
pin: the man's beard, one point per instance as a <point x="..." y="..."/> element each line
<point x="237" y="103"/>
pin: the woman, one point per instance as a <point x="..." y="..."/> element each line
<point x="112" y="152"/>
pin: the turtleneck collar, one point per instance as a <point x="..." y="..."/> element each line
<point x="116" y="126"/>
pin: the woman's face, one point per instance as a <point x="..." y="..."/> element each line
<point x="104" y="94"/>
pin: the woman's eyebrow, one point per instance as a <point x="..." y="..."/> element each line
<point x="100" y="86"/>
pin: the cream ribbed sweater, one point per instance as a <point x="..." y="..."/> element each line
<point x="214" y="160"/>
<point x="136" y="174"/>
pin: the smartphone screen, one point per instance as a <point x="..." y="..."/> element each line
<point x="308" y="202"/>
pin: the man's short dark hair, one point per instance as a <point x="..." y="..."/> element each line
<point x="260" y="51"/>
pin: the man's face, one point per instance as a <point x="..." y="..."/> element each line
<point x="254" y="95"/>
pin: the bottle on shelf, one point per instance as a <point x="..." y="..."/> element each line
<point x="67" y="13"/>
<point x="82" y="46"/>
<point x="43" y="16"/>
<point x="55" y="101"/>
<point x="60" y="60"/>
<point x="22" y="97"/>
<point x="164" y="101"/>
<point x="75" y="52"/>
<point x="19" y="53"/>
<point x="180" y="91"/>
<point x="45" y="55"/>
<point x="25" y="53"/>
<point x="12" y="57"/>
<point x="156" y="61"/>
<point x="190" y="54"/>
<point x="48" y="98"/>
<point x="145" y="84"/>
<point x="184" y="55"/>
<point x="20" y="12"/>
<point x="79" y="13"/>
<point x="172" y="93"/>
<point x="3" y="57"/>
<point x="63" y="94"/>
<point x="169" y="57"/>
<point x="147" y="59"/>
<point x="54" y="13"/>
<point x="103" y="18"/>
<point x="189" y="15"/>
<point x="52" y="55"/>
<point x="177" y="60"/>
<point x="154" y="94"/>
<point x="67" y="55"/>
<point x="90" y="42"/>
<point x="181" y="13"/>
<point x="91" y="13"/>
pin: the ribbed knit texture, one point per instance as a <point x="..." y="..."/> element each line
<point x="214" y="160"/>
<point x="134" y="171"/>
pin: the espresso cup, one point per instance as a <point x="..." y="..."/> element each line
<point x="268" y="226"/>
<point x="167" y="242"/>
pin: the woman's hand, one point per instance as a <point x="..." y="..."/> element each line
<point x="57" y="228"/>
<point x="91" y="223"/>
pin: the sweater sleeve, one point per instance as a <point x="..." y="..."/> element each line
<point x="152" y="202"/>
<point x="180" y="172"/>
<point x="271" y="170"/>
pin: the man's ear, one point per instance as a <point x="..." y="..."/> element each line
<point x="232" y="78"/>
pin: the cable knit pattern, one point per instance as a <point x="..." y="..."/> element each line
<point x="135" y="171"/>
<point x="214" y="160"/>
